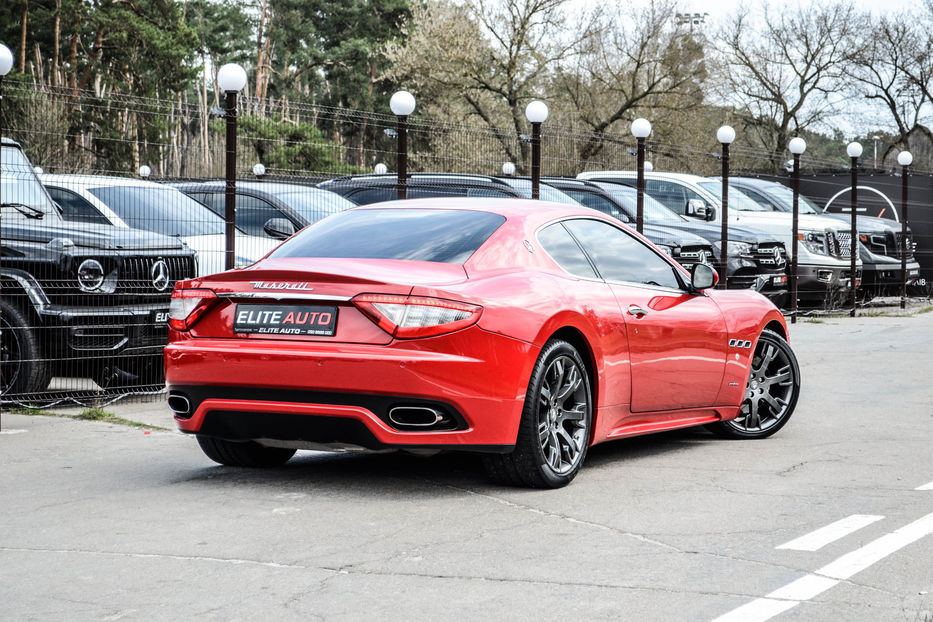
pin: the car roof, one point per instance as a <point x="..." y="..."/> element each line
<point x="91" y="181"/>
<point x="427" y="176"/>
<point x="270" y="187"/>
<point x="684" y="177"/>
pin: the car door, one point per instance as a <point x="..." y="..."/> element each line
<point x="677" y="339"/>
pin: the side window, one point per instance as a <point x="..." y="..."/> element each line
<point x="365" y="196"/>
<point x="75" y="208"/>
<point x="565" y="251"/>
<point x="671" y="195"/>
<point x="252" y="213"/>
<point x="620" y="257"/>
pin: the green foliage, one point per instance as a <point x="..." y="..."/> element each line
<point x="292" y="146"/>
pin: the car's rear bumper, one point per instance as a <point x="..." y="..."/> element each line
<point x="300" y="393"/>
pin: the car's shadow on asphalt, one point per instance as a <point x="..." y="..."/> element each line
<point x="406" y="473"/>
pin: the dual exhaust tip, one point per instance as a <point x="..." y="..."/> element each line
<point x="419" y="418"/>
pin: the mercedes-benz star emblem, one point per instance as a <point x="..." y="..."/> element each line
<point x="160" y="276"/>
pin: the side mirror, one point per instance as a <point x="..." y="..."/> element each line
<point x="696" y="208"/>
<point x="279" y="228"/>
<point x="703" y="276"/>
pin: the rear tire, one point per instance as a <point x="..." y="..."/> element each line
<point x="554" y="432"/>
<point x="243" y="453"/>
<point x="23" y="369"/>
<point x="770" y="395"/>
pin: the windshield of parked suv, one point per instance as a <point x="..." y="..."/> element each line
<point x="444" y="236"/>
<point x="547" y="193"/>
<point x="313" y="204"/>
<point x="786" y="196"/>
<point x="655" y="211"/>
<point x="160" y="209"/>
<point x="20" y="191"/>
<point x="737" y="200"/>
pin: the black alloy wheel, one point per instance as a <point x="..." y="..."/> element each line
<point x="22" y="368"/>
<point x="770" y="394"/>
<point x="554" y="432"/>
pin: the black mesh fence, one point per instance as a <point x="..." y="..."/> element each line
<point x="135" y="199"/>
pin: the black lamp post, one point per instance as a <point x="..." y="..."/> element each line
<point x="905" y="159"/>
<point x="725" y="135"/>
<point x="855" y="151"/>
<point x="231" y="78"/>
<point x="536" y="112"/>
<point x="641" y="128"/>
<point x="402" y="105"/>
<point x="797" y="146"/>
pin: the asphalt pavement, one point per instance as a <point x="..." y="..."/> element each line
<point x="831" y="519"/>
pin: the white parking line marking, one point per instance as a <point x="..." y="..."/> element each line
<point x="814" y="584"/>
<point x="815" y="540"/>
<point x="925" y="487"/>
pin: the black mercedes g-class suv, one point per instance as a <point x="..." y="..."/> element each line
<point x="78" y="300"/>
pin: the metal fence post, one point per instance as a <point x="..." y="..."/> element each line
<point x="231" y="78"/>
<point x="725" y="135"/>
<point x="402" y="104"/>
<point x="6" y="64"/>
<point x="904" y="158"/>
<point x="797" y="146"/>
<point x="230" y="190"/>
<point x="854" y="150"/>
<point x="536" y="112"/>
<point x="641" y="128"/>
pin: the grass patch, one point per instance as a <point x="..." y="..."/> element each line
<point x="925" y="310"/>
<point x="26" y="410"/>
<point x="99" y="414"/>
<point x="813" y="320"/>
<point x="95" y="413"/>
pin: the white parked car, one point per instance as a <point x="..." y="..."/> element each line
<point x="140" y="204"/>
<point x="823" y="242"/>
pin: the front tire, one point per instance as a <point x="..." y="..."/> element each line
<point x="243" y="453"/>
<point x="554" y="432"/>
<point x="23" y="369"/>
<point x="770" y="394"/>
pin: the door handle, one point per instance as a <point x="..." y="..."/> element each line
<point x="636" y="311"/>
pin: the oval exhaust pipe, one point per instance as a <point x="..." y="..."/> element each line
<point x="416" y="416"/>
<point x="179" y="405"/>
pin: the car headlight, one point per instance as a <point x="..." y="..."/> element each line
<point x="814" y="242"/>
<point x="668" y="250"/>
<point x="736" y="249"/>
<point x="90" y="275"/>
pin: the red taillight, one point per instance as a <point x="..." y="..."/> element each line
<point x="408" y="317"/>
<point x="187" y="306"/>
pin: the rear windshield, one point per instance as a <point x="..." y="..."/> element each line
<point x="443" y="236"/>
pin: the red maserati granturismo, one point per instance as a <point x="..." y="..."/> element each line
<point x="521" y="330"/>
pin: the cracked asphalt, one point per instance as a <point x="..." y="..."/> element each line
<point x="106" y="522"/>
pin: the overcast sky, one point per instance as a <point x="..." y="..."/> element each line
<point x="718" y="8"/>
